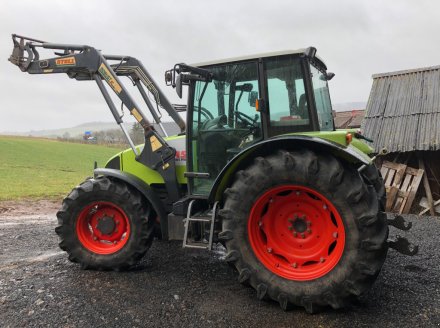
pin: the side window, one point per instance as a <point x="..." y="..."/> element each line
<point x="322" y="100"/>
<point x="286" y="90"/>
<point x="205" y="103"/>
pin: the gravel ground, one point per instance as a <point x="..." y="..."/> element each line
<point x="175" y="287"/>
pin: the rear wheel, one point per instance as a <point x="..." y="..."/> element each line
<point x="304" y="229"/>
<point x="105" y="224"/>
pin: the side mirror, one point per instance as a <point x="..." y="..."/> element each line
<point x="253" y="96"/>
<point x="179" y="86"/>
<point x="330" y="75"/>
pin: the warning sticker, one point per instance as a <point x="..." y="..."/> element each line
<point x="67" y="61"/>
<point x="155" y="143"/>
<point x="105" y="73"/>
<point x="136" y="114"/>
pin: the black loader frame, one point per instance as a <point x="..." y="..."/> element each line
<point x="84" y="63"/>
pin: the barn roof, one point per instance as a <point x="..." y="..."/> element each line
<point x="403" y="110"/>
<point x="349" y="119"/>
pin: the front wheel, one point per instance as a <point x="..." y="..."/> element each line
<point x="105" y="224"/>
<point x="304" y="229"/>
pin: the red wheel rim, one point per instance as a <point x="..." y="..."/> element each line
<point x="296" y="232"/>
<point x="103" y="228"/>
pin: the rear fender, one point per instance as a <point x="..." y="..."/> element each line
<point x="291" y="142"/>
<point x="144" y="189"/>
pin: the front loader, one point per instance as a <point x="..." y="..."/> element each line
<point x="258" y="167"/>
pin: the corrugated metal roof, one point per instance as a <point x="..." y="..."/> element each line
<point x="403" y="110"/>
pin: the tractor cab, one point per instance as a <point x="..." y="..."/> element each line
<point x="235" y="103"/>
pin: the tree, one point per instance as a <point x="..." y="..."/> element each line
<point x="137" y="133"/>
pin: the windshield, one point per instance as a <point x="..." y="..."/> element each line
<point x="225" y="120"/>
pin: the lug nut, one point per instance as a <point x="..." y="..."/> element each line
<point x="295" y="234"/>
<point x="309" y="231"/>
<point x="321" y="259"/>
<point x="335" y="235"/>
<point x="297" y="193"/>
<point x="260" y="224"/>
<point x="269" y="250"/>
<point x="324" y="206"/>
<point x="309" y="223"/>
<point x="303" y="235"/>
<point x="95" y="238"/>
<point x="295" y="265"/>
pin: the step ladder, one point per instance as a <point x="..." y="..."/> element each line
<point x="201" y="218"/>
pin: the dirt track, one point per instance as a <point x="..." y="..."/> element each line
<point x="173" y="287"/>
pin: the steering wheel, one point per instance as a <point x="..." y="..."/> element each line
<point x="245" y="119"/>
<point x="204" y="112"/>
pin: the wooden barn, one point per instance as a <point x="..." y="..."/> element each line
<point x="403" y="117"/>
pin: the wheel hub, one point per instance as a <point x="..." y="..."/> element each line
<point x="106" y="225"/>
<point x="296" y="232"/>
<point x="103" y="227"/>
<point x="299" y="225"/>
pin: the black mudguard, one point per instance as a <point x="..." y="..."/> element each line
<point x="269" y="146"/>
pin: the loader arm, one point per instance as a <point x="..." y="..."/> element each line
<point x="82" y="62"/>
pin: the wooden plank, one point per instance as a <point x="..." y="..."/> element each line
<point x="414" y="187"/>
<point x="389" y="180"/>
<point x="391" y="198"/>
<point x="384" y="171"/>
<point x="412" y="171"/>
<point x="400" y="173"/>
<point x="427" y="188"/>
<point x="437" y="202"/>
<point x="406" y="182"/>
<point x="391" y="165"/>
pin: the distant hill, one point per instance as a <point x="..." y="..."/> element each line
<point x="170" y="127"/>
<point x="79" y="130"/>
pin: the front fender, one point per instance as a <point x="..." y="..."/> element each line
<point x="287" y="142"/>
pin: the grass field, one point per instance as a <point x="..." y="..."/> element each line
<point x="43" y="168"/>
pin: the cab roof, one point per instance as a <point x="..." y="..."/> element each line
<point x="255" y="56"/>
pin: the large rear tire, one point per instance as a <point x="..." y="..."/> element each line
<point x="105" y="224"/>
<point x="304" y="229"/>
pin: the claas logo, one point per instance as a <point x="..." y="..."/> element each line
<point x="68" y="61"/>
<point x="180" y="155"/>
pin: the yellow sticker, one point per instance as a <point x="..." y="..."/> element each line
<point x="136" y="114"/>
<point x="67" y="61"/>
<point x="48" y="70"/>
<point x="103" y="70"/>
<point x="155" y="143"/>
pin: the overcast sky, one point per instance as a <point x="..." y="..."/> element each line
<point x="355" y="38"/>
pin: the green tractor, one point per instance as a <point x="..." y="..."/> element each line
<point x="258" y="167"/>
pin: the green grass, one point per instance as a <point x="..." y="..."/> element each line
<point x="42" y="168"/>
